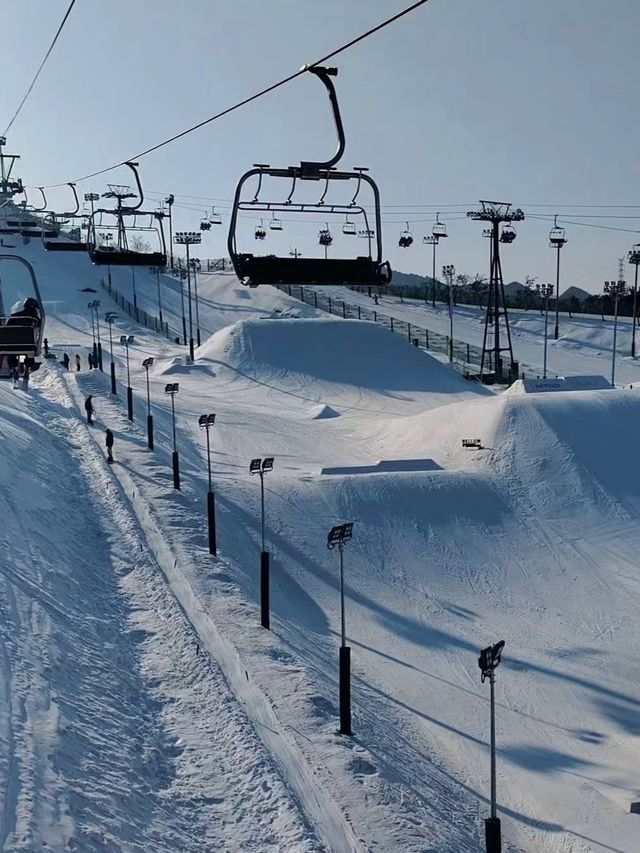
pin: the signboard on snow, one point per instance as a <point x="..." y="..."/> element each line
<point x="566" y="383"/>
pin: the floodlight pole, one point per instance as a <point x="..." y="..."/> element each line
<point x="211" y="504"/>
<point x="147" y="364"/>
<point x="169" y="201"/>
<point x="125" y="341"/>
<point x="98" y="361"/>
<point x="182" y="277"/>
<point x="449" y="271"/>
<point x="191" y="352"/>
<point x="195" y="291"/>
<point x="488" y="661"/>
<point x="615" y="289"/>
<point x="94" y="348"/>
<point x="135" y="295"/>
<point x="337" y="537"/>
<point x="109" y="318"/>
<point x="634" y="258"/>
<point x="159" y="297"/>
<point x="174" y="456"/>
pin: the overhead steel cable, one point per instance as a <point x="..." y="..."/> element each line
<point x="251" y="98"/>
<point x="39" y="71"/>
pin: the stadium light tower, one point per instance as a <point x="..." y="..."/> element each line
<point x="448" y="272"/>
<point x="616" y="290"/>
<point x="110" y="317"/>
<point x="634" y="258"/>
<point x="544" y="291"/>
<point x="338" y="536"/>
<point x="205" y="422"/>
<point x="557" y="240"/>
<point x="171" y="389"/>
<point x="262" y="467"/>
<point x="147" y="363"/>
<point x="189" y="238"/>
<point x="126" y="341"/>
<point x="488" y="662"/>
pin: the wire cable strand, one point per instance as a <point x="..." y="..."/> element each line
<point x="251" y="98"/>
<point x="39" y="71"/>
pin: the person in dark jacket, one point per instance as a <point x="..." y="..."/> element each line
<point x="108" y="440"/>
<point x="78" y="362"/>
<point x="90" y="360"/>
<point x="65" y="361"/>
<point x="88" y="407"/>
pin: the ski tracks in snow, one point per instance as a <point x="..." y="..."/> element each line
<point x="216" y="786"/>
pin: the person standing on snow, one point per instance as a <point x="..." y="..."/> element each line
<point x="108" y="440"/>
<point x="65" y="361"/>
<point x="90" y="359"/>
<point x="78" y="362"/>
<point x="88" y="407"/>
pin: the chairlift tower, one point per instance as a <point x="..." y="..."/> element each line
<point x="120" y="193"/>
<point x="8" y="186"/>
<point x="497" y="214"/>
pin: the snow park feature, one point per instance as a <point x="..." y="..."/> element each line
<point x="261" y="557"/>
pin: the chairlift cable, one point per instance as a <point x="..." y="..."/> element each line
<point x="39" y="71"/>
<point x="251" y="98"/>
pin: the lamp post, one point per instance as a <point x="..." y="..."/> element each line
<point x="189" y="238"/>
<point x="147" y="363"/>
<point x="557" y="240"/>
<point x="634" y="258"/>
<point x="616" y="290"/>
<point x="544" y="291"/>
<point x="171" y="390"/>
<point x="182" y="274"/>
<point x="110" y="318"/>
<point x="98" y="355"/>
<point x="169" y="200"/>
<point x="448" y="271"/>
<point x="262" y="467"/>
<point x="94" y="346"/>
<point x="488" y="662"/>
<point x="431" y="240"/>
<point x="91" y="198"/>
<point x="126" y="340"/>
<point x="135" y="295"/>
<point x="205" y="422"/>
<point x="338" y="536"/>
<point x="157" y="271"/>
<point x="195" y="266"/>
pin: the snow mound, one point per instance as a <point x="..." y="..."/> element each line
<point x="180" y="364"/>
<point x="322" y="411"/>
<point x="345" y="352"/>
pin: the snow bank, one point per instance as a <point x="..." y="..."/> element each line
<point x="322" y="411"/>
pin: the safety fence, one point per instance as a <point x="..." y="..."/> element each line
<point x="149" y="321"/>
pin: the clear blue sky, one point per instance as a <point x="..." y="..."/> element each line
<point x="529" y="102"/>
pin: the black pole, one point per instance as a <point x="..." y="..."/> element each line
<point x="113" y="366"/>
<point x="99" y="352"/>
<point x="174" y="456"/>
<point x="264" y="590"/>
<point x="433" y="276"/>
<point x="149" y="416"/>
<point x="130" y="402"/>
<point x="556" y="333"/>
<point x="635" y="314"/>
<point x="211" y="505"/>
<point x="195" y="289"/>
<point x="191" y="353"/>
<point x="345" y="662"/>
<point x="492" y="831"/>
<point x="159" y="296"/>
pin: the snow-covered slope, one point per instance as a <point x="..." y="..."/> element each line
<point x="532" y="539"/>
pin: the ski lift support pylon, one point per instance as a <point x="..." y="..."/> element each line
<point x="367" y="270"/>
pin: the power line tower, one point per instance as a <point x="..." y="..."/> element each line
<point x="500" y="216"/>
<point x="8" y="186"/>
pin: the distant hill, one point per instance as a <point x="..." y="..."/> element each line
<point x="409" y="279"/>
<point x="576" y="292"/>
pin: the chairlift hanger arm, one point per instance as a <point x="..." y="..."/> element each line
<point x="134" y="168"/>
<point x="310" y="167"/>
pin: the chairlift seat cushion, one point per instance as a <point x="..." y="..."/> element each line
<point x="102" y="257"/>
<point x="56" y="246"/>
<point x="17" y="340"/>
<point x="254" y="270"/>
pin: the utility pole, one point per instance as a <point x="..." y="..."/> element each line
<point x="498" y="214"/>
<point x="169" y="200"/>
<point x="171" y="389"/>
<point x="110" y="318"/>
<point x="544" y="292"/>
<point x="338" y="536"/>
<point x="205" y="422"/>
<point x="488" y="662"/>
<point x="262" y="467"/>
<point x="148" y="363"/>
<point x="448" y="272"/>
<point x="616" y="290"/>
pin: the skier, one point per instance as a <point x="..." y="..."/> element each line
<point x="78" y="362"/>
<point x="15" y="376"/>
<point x="90" y="359"/>
<point x="46" y="347"/>
<point x="109" y="442"/>
<point x="375" y="298"/>
<point x="25" y="377"/>
<point x="65" y="361"/>
<point x="88" y="407"/>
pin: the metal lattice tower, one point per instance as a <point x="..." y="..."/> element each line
<point x="8" y="186"/>
<point x="121" y="193"/>
<point x="497" y="213"/>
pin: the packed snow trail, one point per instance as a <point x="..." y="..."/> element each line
<point x="118" y="733"/>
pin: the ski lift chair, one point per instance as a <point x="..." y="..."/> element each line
<point x="52" y="232"/>
<point x="21" y="334"/>
<point x="120" y="254"/>
<point x="508" y="233"/>
<point x="254" y="270"/>
<point x="557" y="237"/>
<point x="260" y="232"/>
<point x="406" y="238"/>
<point x="205" y="224"/>
<point x="215" y="218"/>
<point x="324" y="236"/>
<point x="439" y="228"/>
<point x="348" y="227"/>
